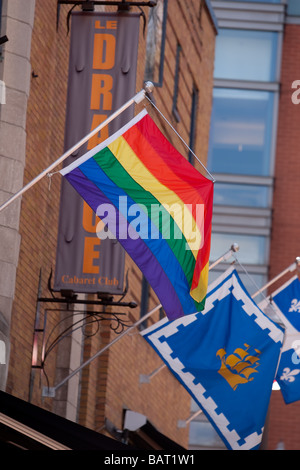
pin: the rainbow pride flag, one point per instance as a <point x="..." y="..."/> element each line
<point x="157" y="205"/>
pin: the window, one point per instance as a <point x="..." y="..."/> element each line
<point x="241" y="195"/>
<point x="241" y="132"/>
<point x="144" y="301"/>
<point x="253" y="248"/>
<point x="1" y="58"/>
<point x="246" y="55"/>
<point x="193" y="122"/>
<point x="256" y="1"/>
<point x="155" y="43"/>
<point x="252" y="281"/>
<point x="200" y="11"/>
<point x="176" y="84"/>
<point x="202" y="434"/>
<point x="293" y="8"/>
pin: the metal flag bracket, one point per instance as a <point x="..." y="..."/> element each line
<point x="89" y="5"/>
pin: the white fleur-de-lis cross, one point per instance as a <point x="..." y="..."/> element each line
<point x="295" y="306"/>
<point x="289" y="375"/>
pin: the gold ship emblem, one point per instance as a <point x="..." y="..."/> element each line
<point x="238" y="367"/>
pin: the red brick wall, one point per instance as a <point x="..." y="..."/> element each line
<point x="286" y="228"/>
<point x="158" y="399"/>
<point x="284" y="421"/>
<point x="110" y="383"/>
<point x="39" y="209"/>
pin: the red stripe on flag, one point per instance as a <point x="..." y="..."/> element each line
<point x="175" y="172"/>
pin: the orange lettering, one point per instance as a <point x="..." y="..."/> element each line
<point x="112" y="24"/>
<point x="102" y="135"/>
<point x="104" y="51"/>
<point x="90" y="254"/>
<point x="98" y="25"/>
<point x="89" y="219"/>
<point x="101" y="87"/>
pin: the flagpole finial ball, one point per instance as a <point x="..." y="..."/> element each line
<point x="235" y="247"/>
<point x="149" y="87"/>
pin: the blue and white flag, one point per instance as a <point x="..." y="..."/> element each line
<point x="285" y="303"/>
<point x="226" y="358"/>
<point x="287" y="300"/>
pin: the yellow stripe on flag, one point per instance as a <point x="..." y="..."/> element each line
<point x="170" y="200"/>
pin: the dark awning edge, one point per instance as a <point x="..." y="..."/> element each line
<point x="41" y="428"/>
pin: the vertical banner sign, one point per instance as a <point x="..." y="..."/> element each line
<point x="102" y="77"/>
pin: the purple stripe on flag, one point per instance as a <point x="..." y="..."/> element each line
<point x="136" y="248"/>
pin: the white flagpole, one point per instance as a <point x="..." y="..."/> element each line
<point x="183" y="424"/>
<point x="50" y="391"/>
<point x="136" y="99"/>
<point x="290" y="269"/>
<point x="234" y="248"/>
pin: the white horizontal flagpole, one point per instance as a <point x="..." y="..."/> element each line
<point x="136" y="99"/>
<point x="183" y="424"/>
<point x="234" y="248"/>
<point x="289" y="269"/>
<point x="50" y="391"/>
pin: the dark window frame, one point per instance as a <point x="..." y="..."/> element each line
<point x="1" y="55"/>
<point x="200" y="12"/>
<point x="176" y="83"/>
<point x="148" y="74"/>
<point x="194" y="110"/>
<point x="144" y="301"/>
